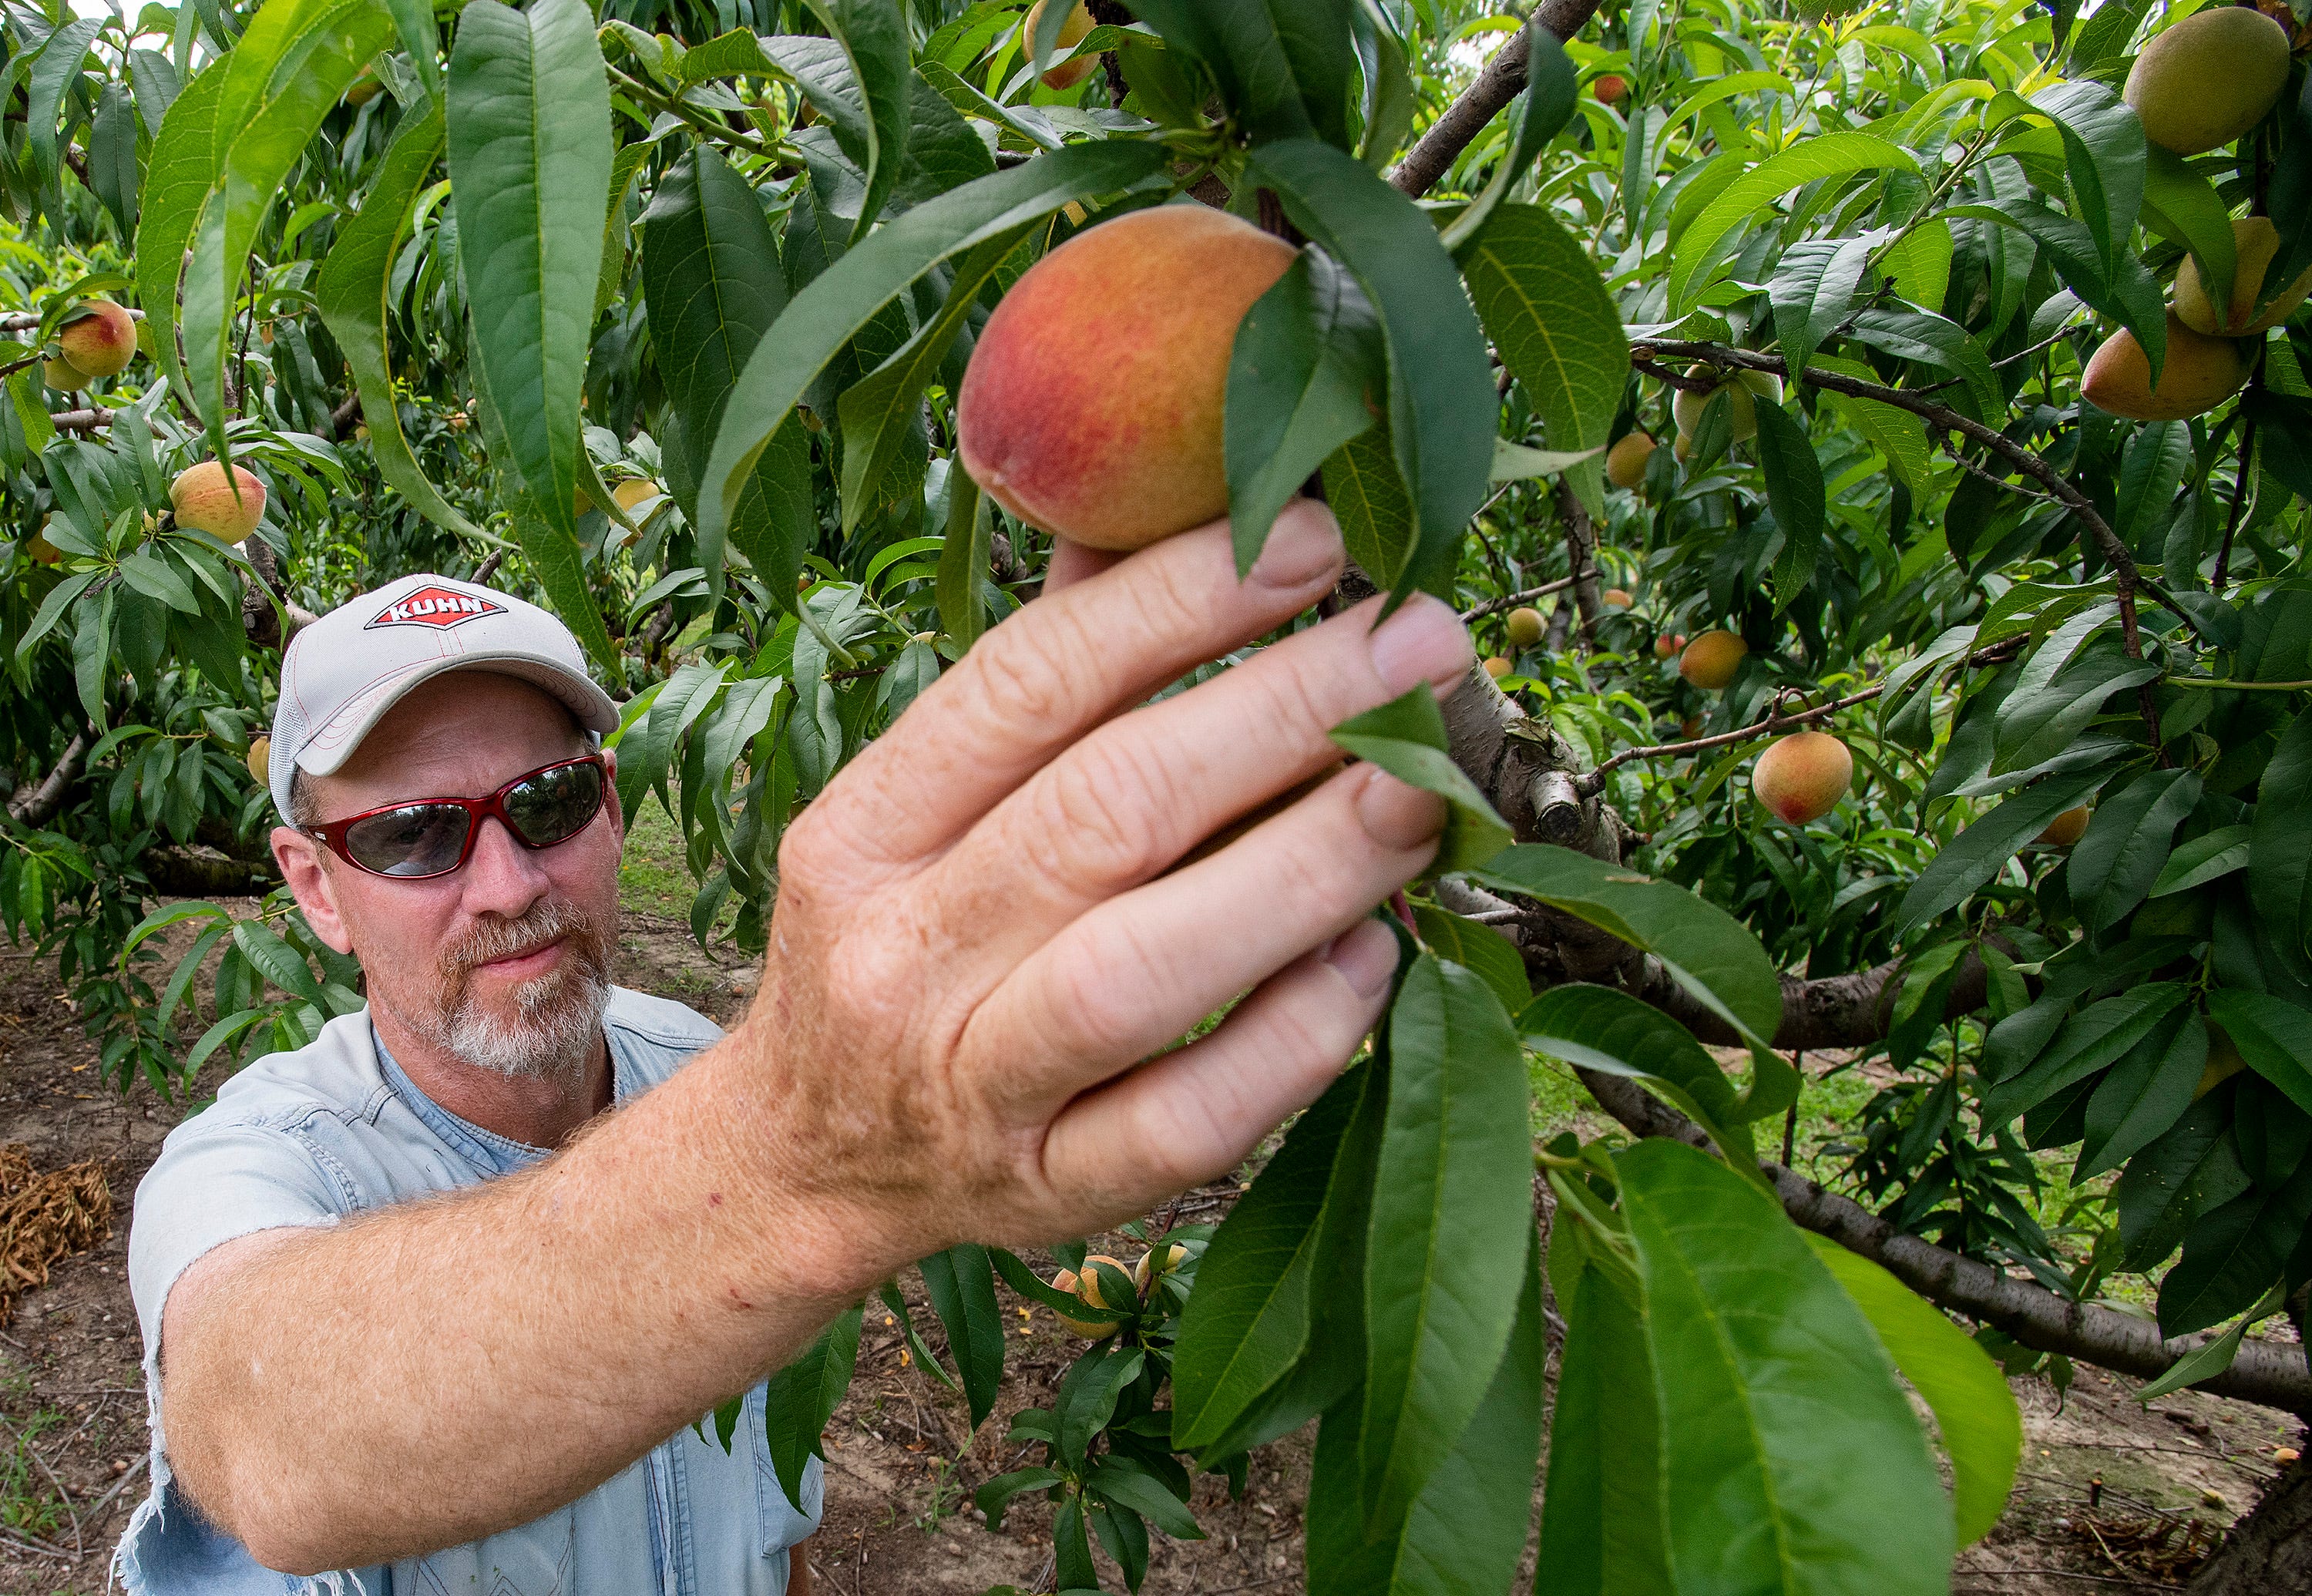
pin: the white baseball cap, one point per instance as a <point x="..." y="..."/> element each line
<point x="343" y="671"/>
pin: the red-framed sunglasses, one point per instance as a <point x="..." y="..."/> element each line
<point x="431" y="837"/>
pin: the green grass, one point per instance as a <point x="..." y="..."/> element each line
<point x="653" y="877"/>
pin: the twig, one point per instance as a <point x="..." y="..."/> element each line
<point x="489" y="567"/>
<point x="89" y="420"/>
<point x="1511" y="600"/>
<point x="2100" y="1579"/>
<point x="1774" y="721"/>
<point x="29" y="321"/>
<point x="721" y="131"/>
<point x="119" y="1486"/>
<point x="38" y="1547"/>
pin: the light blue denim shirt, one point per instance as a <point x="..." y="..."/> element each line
<point x="306" y="1138"/>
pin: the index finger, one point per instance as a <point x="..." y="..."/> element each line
<point x="1060" y="666"/>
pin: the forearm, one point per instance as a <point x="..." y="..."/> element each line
<point x="342" y="1391"/>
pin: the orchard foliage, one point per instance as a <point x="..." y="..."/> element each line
<point x="661" y="311"/>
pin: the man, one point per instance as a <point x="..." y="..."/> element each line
<point x="980" y="936"/>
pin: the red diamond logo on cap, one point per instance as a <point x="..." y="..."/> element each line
<point x="441" y="608"/>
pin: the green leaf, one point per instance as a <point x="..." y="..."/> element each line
<point x="1792" y="1460"/>
<point x="2167" y="1187"/>
<point x="1367" y="498"/>
<point x="1544" y="106"/>
<point x="963" y="560"/>
<point x="275" y="960"/>
<point x="1601" y="1029"/>
<point x="961" y="1285"/>
<point x="874" y="35"/>
<point x="2273" y="1035"/>
<point x="56" y="68"/>
<point x="1982" y="1428"/>
<point x="2185" y="205"/>
<point x="1306" y="357"/>
<point x="1452" y="1205"/>
<point x="1814" y="289"/>
<point x="352" y="294"/>
<point x="529" y="159"/>
<point x="713" y="286"/>
<point x="1464" y="1533"/>
<point x="2089" y="1040"/>
<point x="1794" y="489"/>
<point x="1982" y="851"/>
<point x="1602" y="1527"/>
<point x="1406" y="738"/>
<point x="1707" y="950"/>
<point x="1711" y="237"/>
<point x="800" y="1398"/>
<point x="112" y="168"/>
<point x="2143" y="1093"/>
<point x="840" y="300"/>
<point x="1546" y="311"/>
<point x="2103" y="156"/>
<point x="2114" y="866"/>
<point x="2204" y="859"/>
<point x="1124" y="1482"/>
<point x="421" y="39"/>
<point x="1246" y="1322"/>
<point x="178" y="179"/>
<point x="1924" y="336"/>
<point x="2233" y="1256"/>
<point x="1283" y="66"/>
<point x="1480" y="948"/>
<point x="286" y="74"/>
<point x="2280" y="850"/>
<point x="876" y="410"/>
<point x="2215" y="1357"/>
<point x="1442" y="404"/>
<point x="996" y="1495"/>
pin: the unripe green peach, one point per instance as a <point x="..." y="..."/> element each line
<point x="1092" y="407"/>
<point x="64" y="376"/>
<point x="2255" y="241"/>
<point x="2065" y="828"/>
<point x="1742" y="391"/>
<point x="2200" y="373"/>
<point x="1615" y="598"/>
<point x="1086" y="1288"/>
<point x="1497" y="667"/>
<point x="2210" y="78"/>
<point x="1525" y="626"/>
<point x="260" y="761"/>
<point x="2224" y="1061"/>
<point x="1667" y="646"/>
<point x="1067" y="75"/>
<point x="206" y="501"/>
<point x="1625" y="461"/>
<point x="1711" y="659"/>
<point x="1802" y="777"/>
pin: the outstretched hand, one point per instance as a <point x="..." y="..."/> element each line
<point x="982" y="937"/>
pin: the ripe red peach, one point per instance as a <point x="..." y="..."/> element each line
<point x="1802" y="777"/>
<point x="1609" y="88"/>
<point x="1667" y="646"/>
<point x="1092" y="407"/>
<point x="101" y="344"/>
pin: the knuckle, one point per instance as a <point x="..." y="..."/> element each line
<point x="1095" y="819"/>
<point x="1088" y="1010"/>
<point x="1028" y="676"/>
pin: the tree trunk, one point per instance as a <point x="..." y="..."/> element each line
<point x="1582" y="555"/>
<point x="33" y="806"/>
<point x="2269" y="1551"/>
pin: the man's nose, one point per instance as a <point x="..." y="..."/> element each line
<point x="502" y="877"/>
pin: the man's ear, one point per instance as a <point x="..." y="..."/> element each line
<point x="311" y="881"/>
<point x="610" y="795"/>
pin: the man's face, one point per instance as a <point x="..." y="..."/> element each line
<point x="504" y="963"/>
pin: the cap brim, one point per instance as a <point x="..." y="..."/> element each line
<point x="332" y="743"/>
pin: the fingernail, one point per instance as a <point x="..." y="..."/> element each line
<point x="1396" y="816"/>
<point x="1423" y="641"/>
<point x="1366" y="956"/>
<point x="1303" y="545"/>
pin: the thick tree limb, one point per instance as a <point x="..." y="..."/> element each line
<point x="196" y="870"/>
<point x="1502" y="80"/>
<point x="2273" y="1375"/>
<point x="33" y="806"/>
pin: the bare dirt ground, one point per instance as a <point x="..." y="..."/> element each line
<point x="2112" y="1496"/>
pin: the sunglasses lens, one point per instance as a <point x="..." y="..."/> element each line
<point x="416" y="839"/>
<point x="555" y="805"/>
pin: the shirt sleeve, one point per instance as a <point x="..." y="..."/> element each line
<point x="212" y="1183"/>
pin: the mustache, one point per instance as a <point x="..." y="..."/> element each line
<point x="496" y="937"/>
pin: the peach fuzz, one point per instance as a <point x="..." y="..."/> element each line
<point x="1802" y="777"/>
<point x="101" y="344"/>
<point x="1092" y="407"/>
<point x="1711" y="659"/>
<point x="205" y="502"/>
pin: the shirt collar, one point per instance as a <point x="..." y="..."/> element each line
<point x="485" y="1149"/>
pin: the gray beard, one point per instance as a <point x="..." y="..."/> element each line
<point x="558" y="1017"/>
